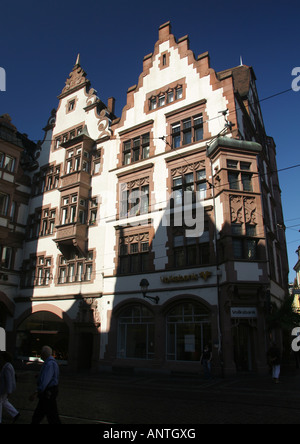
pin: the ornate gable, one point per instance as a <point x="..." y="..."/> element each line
<point x="76" y="80"/>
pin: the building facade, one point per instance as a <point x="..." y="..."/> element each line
<point x="179" y="194"/>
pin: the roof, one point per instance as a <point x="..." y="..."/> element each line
<point x="241" y="78"/>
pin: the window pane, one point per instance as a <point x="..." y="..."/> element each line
<point x="251" y="249"/>
<point x="201" y="188"/>
<point x="176" y="136"/>
<point x="170" y="97"/>
<point x="161" y="101"/>
<point x="198" y="134"/>
<point x="179" y="93"/>
<point x="236" y="229"/>
<point x="237" y="248"/>
<point x="232" y="164"/>
<point x="153" y="103"/>
<point x="187" y="137"/>
<point x="179" y="258"/>
<point x="233" y="179"/>
<point x="201" y="175"/>
<point x="247" y="184"/>
<point x="251" y="230"/>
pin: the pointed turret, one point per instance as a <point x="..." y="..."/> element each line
<point x="77" y="61"/>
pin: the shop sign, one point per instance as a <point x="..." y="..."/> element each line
<point x="244" y="312"/>
<point x="186" y="277"/>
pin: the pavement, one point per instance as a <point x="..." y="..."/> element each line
<point x="117" y="399"/>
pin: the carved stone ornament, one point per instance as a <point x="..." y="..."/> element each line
<point x="236" y="209"/>
<point x="88" y="312"/>
<point x="243" y="210"/>
<point x="92" y="97"/>
<point x="180" y="171"/>
<point x="250" y="210"/>
<point x="127" y="240"/>
<point x="104" y="125"/>
<point x="76" y="78"/>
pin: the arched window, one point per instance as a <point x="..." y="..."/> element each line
<point x="188" y="331"/>
<point x="39" y="329"/>
<point x="136" y="333"/>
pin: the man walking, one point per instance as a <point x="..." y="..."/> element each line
<point x="47" y="390"/>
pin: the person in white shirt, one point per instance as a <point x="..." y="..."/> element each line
<point x="7" y="386"/>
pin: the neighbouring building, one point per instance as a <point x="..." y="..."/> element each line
<point x="113" y="273"/>
<point x="295" y="288"/>
<point x="17" y="160"/>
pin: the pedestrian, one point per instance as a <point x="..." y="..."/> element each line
<point x="205" y="360"/>
<point x="7" y="385"/>
<point x="47" y="390"/>
<point x="275" y="362"/>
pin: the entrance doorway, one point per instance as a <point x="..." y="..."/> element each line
<point x="243" y="342"/>
<point x="85" y="349"/>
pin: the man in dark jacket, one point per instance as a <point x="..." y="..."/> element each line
<point x="47" y="389"/>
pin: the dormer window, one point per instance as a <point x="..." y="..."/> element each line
<point x="153" y="103"/>
<point x="71" y="105"/>
<point x="178" y="93"/>
<point x="165" y="98"/>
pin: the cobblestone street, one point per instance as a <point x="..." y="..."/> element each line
<point x="120" y="399"/>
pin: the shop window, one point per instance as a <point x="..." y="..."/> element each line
<point x="136" y="333"/>
<point x="188" y="331"/>
<point x="39" y="329"/>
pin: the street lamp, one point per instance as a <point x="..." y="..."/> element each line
<point x="144" y="284"/>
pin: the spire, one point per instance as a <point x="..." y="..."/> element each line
<point x="241" y="61"/>
<point x="78" y="60"/>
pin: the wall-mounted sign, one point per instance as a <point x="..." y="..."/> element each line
<point x="244" y="312"/>
<point x="185" y="278"/>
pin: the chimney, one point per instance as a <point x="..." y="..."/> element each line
<point x="111" y="105"/>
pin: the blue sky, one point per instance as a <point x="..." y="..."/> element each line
<point x="39" y="42"/>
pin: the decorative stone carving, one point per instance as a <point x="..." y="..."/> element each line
<point x="243" y="210"/>
<point x="184" y="169"/>
<point x="88" y="312"/>
<point x="250" y="210"/>
<point x="76" y="78"/>
<point x="92" y="97"/>
<point x="236" y="209"/>
<point x="104" y="124"/>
